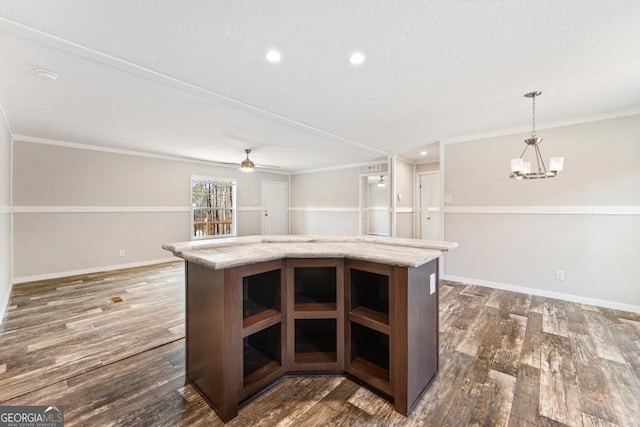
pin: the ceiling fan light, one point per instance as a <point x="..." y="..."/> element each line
<point x="247" y="165"/>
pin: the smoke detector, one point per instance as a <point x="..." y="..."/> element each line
<point x="46" y="74"/>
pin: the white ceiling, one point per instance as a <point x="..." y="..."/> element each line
<point x="190" y="79"/>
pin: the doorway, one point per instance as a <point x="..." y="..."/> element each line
<point x="275" y="204"/>
<point x="375" y="219"/>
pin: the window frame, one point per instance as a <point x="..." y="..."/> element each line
<point x="234" y="206"/>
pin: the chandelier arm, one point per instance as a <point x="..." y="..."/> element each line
<point x="538" y="157"/>
<point x="524" y="151"/>
<point x="544" y="168"/>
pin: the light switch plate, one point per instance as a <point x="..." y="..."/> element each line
<point x="432" y="284"/>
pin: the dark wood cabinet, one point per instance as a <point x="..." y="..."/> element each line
<point x="248" y="326"/>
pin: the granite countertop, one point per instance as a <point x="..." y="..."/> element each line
<point x="238" y="251"/>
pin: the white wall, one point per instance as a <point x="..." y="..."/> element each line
<point x="586" y="222"/>
<point x="326" y="202"/>
<point x="74" y="209"/>
<point x="427" y="167"/>
<point x="5" y="215"/>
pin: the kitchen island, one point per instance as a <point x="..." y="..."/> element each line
<point x="260" y="307"/>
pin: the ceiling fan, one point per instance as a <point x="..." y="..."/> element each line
<point x="247" y="165"/>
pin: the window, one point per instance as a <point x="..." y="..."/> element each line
<point x="213" y="202"/>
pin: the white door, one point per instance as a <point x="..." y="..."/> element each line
<point x="430" y="206"/>
<point x="275" y="203"/>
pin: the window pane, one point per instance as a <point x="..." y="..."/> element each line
<point x="213" y="207"/>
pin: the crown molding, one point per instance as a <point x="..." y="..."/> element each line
<point x="66" y="144"/>
<point x="550" y="125"/>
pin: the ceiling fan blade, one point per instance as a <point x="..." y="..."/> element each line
<point x="267" y="166"/>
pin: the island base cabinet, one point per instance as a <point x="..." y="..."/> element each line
<point x="247" y="326"/>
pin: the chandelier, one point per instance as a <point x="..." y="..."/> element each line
<point x="521" y="169"/>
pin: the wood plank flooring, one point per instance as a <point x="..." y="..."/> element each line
<point x="506" y="359"/>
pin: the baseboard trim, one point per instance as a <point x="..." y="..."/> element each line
<point x="541" y="293"/>
<point x="60" y="274"/>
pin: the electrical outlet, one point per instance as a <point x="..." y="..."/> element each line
<point x="122" y="252"/>
<point x="559" y="274"/>
<point x="432" y="284"/>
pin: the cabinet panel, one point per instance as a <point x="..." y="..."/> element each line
<point x="264" y="330"/>
<point x="315" y="290"/>
<point x="368" y="306"/>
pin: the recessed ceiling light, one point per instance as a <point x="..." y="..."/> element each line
<point x="46" y="74"/>
<point x="356" y="58"/>
<point x="273" y="56"/>
<point x="423" y="153"/>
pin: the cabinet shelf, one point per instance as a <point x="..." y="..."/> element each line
<point x="315" y="306"/>
<point x="369" y="290"/>
<point x="371" y="319"/>
<point x="370" y="368"/>
<point x="257" y="322"/>
<point x="314" y="286"/>
<point x="261" y="354"/>
<point x="315" y="341"/>
<point x="370" y="354"/>
<point x="316" y="357"/>
<point x="257" y="366"/>
<point x="261" y="305"/>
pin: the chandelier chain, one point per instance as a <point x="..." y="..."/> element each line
<point x="533" y="118"/>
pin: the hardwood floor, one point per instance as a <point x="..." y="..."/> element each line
<point x="505" y="359"/>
